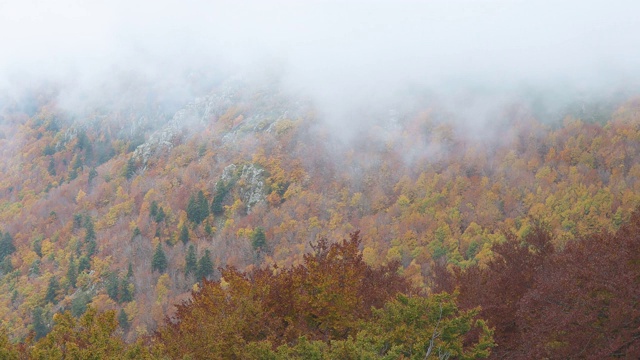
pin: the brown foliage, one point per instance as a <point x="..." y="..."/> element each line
<point x="323" y="298"/>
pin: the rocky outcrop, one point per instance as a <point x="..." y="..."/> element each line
<point x="249" y="181"/>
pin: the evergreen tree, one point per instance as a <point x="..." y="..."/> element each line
<point x="77" y="163"/>
<point x="93" y="173"/>
<point x="160" y="216"/>
<point x="123" y="319"/>
<point x="205" y="266"/>
<point x="6" y="245"/>
<point x="39" y="326"/>
<point x="184" y="234"/>
<point x="191" y="261"/>
<point x="130" y="272"/>
<point x="159" y="261"/>
<point x="126" y="293"/>
<point x="259" y="239"/>
<point x="72" y="272"/>
<point x="77" y="221"/>
<point x="136" y="232"/>
<point x="91" y="247"/>
<point x="208" y="229"/>
<point x="192" y="209"/>
<point x="130" y="168"/>
<point x="111" y="286"/>
<point x="52" y="290"/>
<point x="217" y="207"/>
<point x="51" y="169"/>
<point x="91" y="232"/>
<point x="203" y="207"/>
<point x="153" y="209"/>
<point x="84" y="264"/>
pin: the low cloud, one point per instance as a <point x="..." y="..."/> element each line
<point x="344" y="55"/>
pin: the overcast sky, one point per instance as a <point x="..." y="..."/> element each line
<point x="328" y="49"/>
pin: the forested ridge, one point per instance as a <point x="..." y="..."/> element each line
<point x="218" y="228"/>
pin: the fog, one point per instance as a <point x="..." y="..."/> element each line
<point x="343" y="55"/>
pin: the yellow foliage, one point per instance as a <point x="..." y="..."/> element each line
<point x="80" y="196"/>
<point x="162" y="288"/>
<point x="115" y="212"/>
<point x="46" y="247"/>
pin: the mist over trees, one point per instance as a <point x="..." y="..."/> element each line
<point x="178" y="185"/>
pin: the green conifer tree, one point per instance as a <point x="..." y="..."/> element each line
<point x="191" y="261"/>
<point x="205" y="266"/>
<point x="159" y="262"/>
<point x="184" y="234"/>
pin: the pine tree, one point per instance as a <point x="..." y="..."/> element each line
<point x="72" y="272"/>
<point x="39" y="326"/>
<point x="130" y="169"/>
<point x="259" y="239"/>
<point x="52" y="290"/>
<point x="84" y="264"/>
<point x="217" y="207"/>
<point x="203" y="207"/>
<point x="159" y="261"/>
<point x="91" y="247"/>
<point x="51" y="169"/>
<point x="184" y="234"/>
<point x="205" y="266"/>
<point x="123" y="319"/>
<point x="112" y="286"/>
<point x="88" y="225"/>
<point x="191" y="261"/>
<point x="129" y="272"/>
<point x="153" y="209"/>
<point x="6" y="245"/>
<point x="192" y="209"/>
<point x="93" y="173"/>
<point x="126" y="294"/>
<point x="160" y="216"/>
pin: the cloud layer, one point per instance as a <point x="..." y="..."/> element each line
<point x="343" y="54"/>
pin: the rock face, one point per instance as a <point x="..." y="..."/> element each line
<point x="249" y="180"/>
<point x="192" y="117"/>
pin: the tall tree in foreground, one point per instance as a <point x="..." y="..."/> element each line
<point x="308" y="307"/>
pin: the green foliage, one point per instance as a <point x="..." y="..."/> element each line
<point x="92" y="336"/>
<point x="112" y="285"/>
<point x="129" y="169"/>
<point x="184" y="234"/>
<point x="79" y="304"/>
<point x="153" y="209"/>
<point x="191" y="262"/>
<point x="52" y="290"/>
<point x="6" y="245"/>
<point x="93" y="173"/>
<point x="84" y="264"/>
<point x="424" y="327"/>
<point x="126" y="291"/>
<point x="259" y="239"/>
<point x="51" y="168"/>
<point x="197" y="208"/>
<point x="205" y="266"/>
<point x="159" y="262"/>
<point x="39" y="322"/>
<point x="160" y="216"/>
<point x="217" y="205"/>
<point x="8" y="351"/>
<point x="72" y="272"/>
<point x="123" y="319"/>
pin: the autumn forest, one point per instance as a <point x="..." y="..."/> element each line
<point x="243" y="226"/>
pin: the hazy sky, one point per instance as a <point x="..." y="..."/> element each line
<point x="332" y="50"/>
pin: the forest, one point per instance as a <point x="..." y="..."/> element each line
<point x="242" y="227"/>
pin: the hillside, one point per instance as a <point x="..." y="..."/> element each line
<point x="125" y="209"/>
